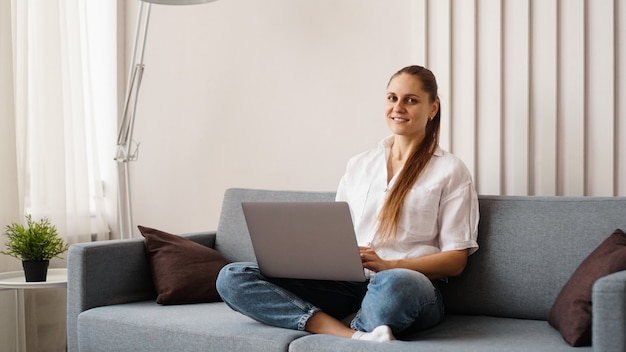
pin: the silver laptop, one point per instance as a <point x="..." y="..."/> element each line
<point x="304" y="240"/>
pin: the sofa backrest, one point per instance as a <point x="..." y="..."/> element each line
<point x="233" y="239"/>
<point x="529" y="248"/>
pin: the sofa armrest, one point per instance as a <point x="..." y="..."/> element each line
<point x="609" y="313"/>
<point x="108" y="273"/>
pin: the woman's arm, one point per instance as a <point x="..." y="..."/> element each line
<point x="435" y="266"/>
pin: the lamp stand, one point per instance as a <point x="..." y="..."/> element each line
<point x="126" y="151"/>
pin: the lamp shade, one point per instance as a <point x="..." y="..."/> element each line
<point x="178" y="2"/>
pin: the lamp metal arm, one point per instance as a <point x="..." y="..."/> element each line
<point x="125" y="151"/>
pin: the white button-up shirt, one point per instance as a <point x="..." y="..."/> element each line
<point x="440" y="212"/>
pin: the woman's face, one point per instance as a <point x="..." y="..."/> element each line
<point x="408" y="106"/>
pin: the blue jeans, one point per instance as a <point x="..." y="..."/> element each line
<point x="403" y="299"/>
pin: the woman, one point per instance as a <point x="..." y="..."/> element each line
<point x="415" y="213"/>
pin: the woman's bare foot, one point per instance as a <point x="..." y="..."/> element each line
<point x="322" y="323"/>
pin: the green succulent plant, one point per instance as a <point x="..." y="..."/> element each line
<point x="36" y="241"/>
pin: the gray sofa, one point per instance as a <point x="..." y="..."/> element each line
<point x="529" y="248"/>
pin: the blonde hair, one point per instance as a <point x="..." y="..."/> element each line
<point x="394" y="203"/>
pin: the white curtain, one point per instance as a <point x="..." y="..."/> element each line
<point x="57" y="122"/>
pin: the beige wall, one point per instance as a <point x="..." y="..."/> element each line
<point x="273" y="94"/>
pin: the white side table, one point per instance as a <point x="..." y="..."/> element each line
<point x="15" y="280"/>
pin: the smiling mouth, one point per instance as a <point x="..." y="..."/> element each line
<point x="399" y="119"/>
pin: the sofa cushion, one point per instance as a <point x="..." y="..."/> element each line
<point x="571" y="312"/>
<point x="529" y="248"/>
<point x="183" y="271"/>
<point x="203" y="327"/>
<point x="455" y="333"/>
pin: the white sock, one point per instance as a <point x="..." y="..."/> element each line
<point x="380" y="334"/>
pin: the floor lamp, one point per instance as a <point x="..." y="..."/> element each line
<point x="127" y="151"/>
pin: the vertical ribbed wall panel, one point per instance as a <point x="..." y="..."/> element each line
<point x="439" y="57"/>
<point x="571" y="95"/>
<point x="419" y="31"/>
<point x="600" y="112"/>
<point x="463" y="79"/>
<point x="543" y="97"/>
<point x="620" y="101"/>
<point x="516" y="95"/>
<point x="533" y="91"/>
<point x="489" y="141"/>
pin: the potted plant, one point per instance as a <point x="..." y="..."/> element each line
<point x="35" y="244"/>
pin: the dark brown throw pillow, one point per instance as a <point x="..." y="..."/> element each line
<point x="183" y="271"/>
<point x="571" y="311"/>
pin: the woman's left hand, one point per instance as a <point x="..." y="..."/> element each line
<point x="371" y="260"/>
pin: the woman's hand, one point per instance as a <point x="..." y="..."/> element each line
<point x="434" y="266"/>
<point x="372" y="261"/>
